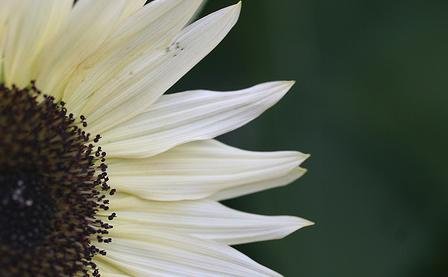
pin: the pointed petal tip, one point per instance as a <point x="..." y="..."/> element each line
<point x="301" y="171"/>
<point x="291" y="224"/>
<point x="308" y="223"/>
<point x="289" y="83"/>
<point x="292" y="82"/>
<point x="238" y="5"/>
<point x="299" y="223"/>
<point x="283" y="86"/>
<point x="234" y="9"/>
<point x="302" y="156"/>
<point x="302" y="222"/>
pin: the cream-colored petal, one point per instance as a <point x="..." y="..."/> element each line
<point x="149" y="29"/>
<point x="132" y="6"/>
<point x="89" y="24"/>
<point x="203" y="219"/>
<point x="136" y="87"/>
<point x="7" y="9"/>
<point x="245" y="189"/>
<point x="152" y="252"/>
<point x="32" y="26"/>
<point x="106" y="269"/>
<point x="198" y="169"/>
<point x="110" y="274"/>
<point x="188" y="116"/>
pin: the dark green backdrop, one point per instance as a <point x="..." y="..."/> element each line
<point x="370" y="105"/>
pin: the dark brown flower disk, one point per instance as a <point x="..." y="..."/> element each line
<point x="53" y="182"/>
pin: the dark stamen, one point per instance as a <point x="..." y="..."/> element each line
<point x="52" y="184"/>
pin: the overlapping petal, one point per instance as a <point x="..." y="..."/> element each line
<point x="132" y="6"/>
<point x="145" y="33"/>
<point x="245" y="189"/>
<point x="199" y="169"/>
<point x="32" y="24"/>
<point x="108" y="270"/>
<point x="5" y="12"/>
<point x="152" y="252"/>
<point x="188" y="116"/>
<point x="88" y="25"/>
<point x="204" y="219"/>
<point x="141" y="82"/>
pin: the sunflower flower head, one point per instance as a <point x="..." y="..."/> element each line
<point x="79" y="80"/>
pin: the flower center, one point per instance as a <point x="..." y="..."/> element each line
<point x="24" y="203"/>
<point x="53" y="182"/>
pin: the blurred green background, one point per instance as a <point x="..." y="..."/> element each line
<point x="370" y="105"/>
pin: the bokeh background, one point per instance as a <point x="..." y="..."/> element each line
<point x="371" y="106"/>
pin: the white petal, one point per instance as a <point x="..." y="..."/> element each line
<point x="7" y="9"/>
<point x="151" y="252"/>
<point x="106" y="269"/>
<point x="110" y="274"/>
<point x="150" y="29"/>
<point x="132" y="6"/>
<point x="33" y="24"/>
<point x="188" y="116"/>
<point x="199" y="169"/>
<point x="238" y="191"/>
<point x="204" y="219"/>
<point x="136" y="87"/>
<point x="89" y="24"/>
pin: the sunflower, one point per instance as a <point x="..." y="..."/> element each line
<point x="103" y="174"/>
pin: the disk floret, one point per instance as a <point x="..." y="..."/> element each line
<point x="53" y="183"/>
